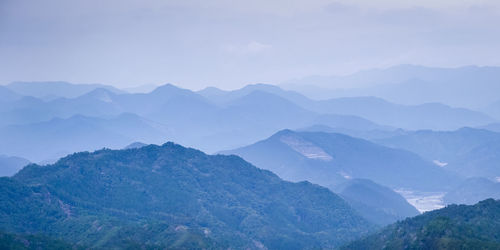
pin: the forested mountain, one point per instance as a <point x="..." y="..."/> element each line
<point x="453" y="227"/>
<point x="33" y="242"/>
<point x="174" y="197"/>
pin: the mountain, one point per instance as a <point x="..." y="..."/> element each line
<point x="173" y="197"/>
<point x="7" y="95"/>
<point x="59" y="137"/>
<point x="53" y="90"/>
<point x="191" y="119"/>
<point x="481" y="161"/>
<point x="32" y="242"/>
<point x="495" y="127"/>
<point x="472" y="191"/>
<point x="422" y="116"/>
<point x="223" y="97"/>
<point x="357" y="129"/>
<point x="330" y="159"/>
<point x="9" y="165"/>
<point x="470" y="152"/>
<point x="493" y="109"/>
<point x="441" y="145"/>
<point x="409" y="84"/>
<point x="135" y="145"/>
<point x="378" y="204"/>
<point x="434" y="116"/>
<point x="453" y="227"/>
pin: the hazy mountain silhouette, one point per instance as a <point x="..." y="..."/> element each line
<point x="495" y="127"/>
<point x="330" y="159"/>
<point x="425" y="116"/>
<point x="52" y="90"/>
<point x="410" y="84"/>
<point x="7" y="95"/>
<point x="368" y="133"/>
<point x="422" y="116"/>
<point x="59" y="137"/>
<point x="467" y="151"/>
<point x="493" y="110"/>
<point x="472" y="191"/>
<point x="222" y="97"/>
<point x="9" y="165"/>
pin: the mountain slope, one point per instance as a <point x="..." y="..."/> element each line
<point x="10" y="165"/>
<point x="328" y="159"/>
<point x="467" y="151"/>
<point x="424" y="116"/>
<point x="52" y="90"/>
<point x="167" y="195"/>
<point x="472" y="191"/>
<point x="58" y="137"/>
<point x="7" y="95"/>
<point x="375" y="202"/>
<point x="411" y="84"/>
<point x="26" y="242"/>
<point x="453" y="227"/>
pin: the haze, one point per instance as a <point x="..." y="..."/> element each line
<point x="229" y="44"/>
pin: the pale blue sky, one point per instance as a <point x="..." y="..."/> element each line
<point x="197" y="43"/>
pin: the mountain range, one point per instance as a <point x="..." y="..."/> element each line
<point x="215" y="120"/>
<point x="410" y="85"/>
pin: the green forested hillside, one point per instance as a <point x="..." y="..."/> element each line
<point x="34" y="242"/>
<point x="453" y="227"/>
<point x="172" y="197"/>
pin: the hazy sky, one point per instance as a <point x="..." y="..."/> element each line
<point x="229" y="43"/>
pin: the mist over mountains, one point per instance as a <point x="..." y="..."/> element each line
<point x="316" y="170"/>
<point x="210" y="119"/>
<point x="410" y="85"/>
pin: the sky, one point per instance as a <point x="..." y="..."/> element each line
<point x="231" y="43"/>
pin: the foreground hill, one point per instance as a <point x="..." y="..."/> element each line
<point x="173" y="197"/>
<point x="34" y="242"/>
<point x="329" y="159"/>
<point x="453" y="227"/>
